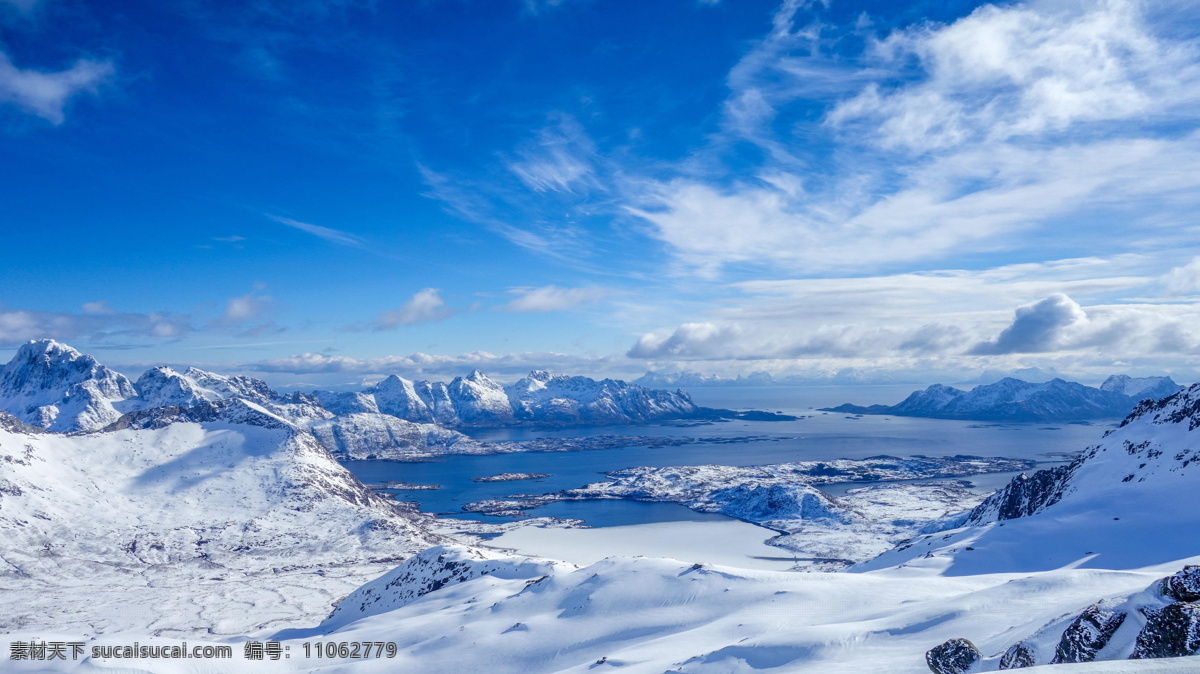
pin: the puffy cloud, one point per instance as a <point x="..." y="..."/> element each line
<point x="1184" y="280"/>
<point x="689" y="341"/>
<point x="46" y="94"/>
<point x="553" y="298"/>
<point x="733" y="341"/>
<point x="1037" y="327"/>
<point x="423" y="307"/>
<point x="246" y="307"/>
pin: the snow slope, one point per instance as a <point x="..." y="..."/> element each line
<point x="1130" y="500"/>
<point x="189" y="517"/>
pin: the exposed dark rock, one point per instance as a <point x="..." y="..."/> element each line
<point x="1024" y="495"/>
<point x="1018" y="656"/>
<point x="234" y="410"/>
<point x="1170" y="632"/>
<point x="10" y="423"/>
<point x="1184" y="586"/>
<point x="955" y="656"/>
<point x="1087" y="634"/>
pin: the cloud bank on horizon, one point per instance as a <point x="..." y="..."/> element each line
<point x="723" y="187"/>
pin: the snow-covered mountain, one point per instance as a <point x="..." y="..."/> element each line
<point x="53" y="386"/>
<point x="223" y="497"/>
<point x="1015" y="400"/>
<point x="539" y="398"/>
<point x="382" y="436"/>
<point x="1128" y="502"/>
<point x="1141" y="387"/>
<point x="1123" y="503"/>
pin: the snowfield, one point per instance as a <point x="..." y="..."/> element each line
<point x="218" y="526"/>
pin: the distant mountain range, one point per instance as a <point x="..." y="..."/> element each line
<point x="846" y="376"/>
<point x="1016" y="400"/>
<point x="55" y="387"/>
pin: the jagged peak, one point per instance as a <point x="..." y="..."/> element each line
<point x="1176" y="408"/>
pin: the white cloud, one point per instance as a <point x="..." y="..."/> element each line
<point x="100" y="328"/>
<point x="1037" y="327"/>
<point x="423" y="365"/>
<point x="553" y="298"/>
<point x="246" y="308"/>
<point x="46" y="94"/>
<point x="1184" y="280"/>
<point x="946" y="140"/>
<point x="1020" y="71"/>
<point x="560" y="159"/>
<point x="96" y="308"/>
<point x="423" y="307"/>
<point x="329" y="234"/>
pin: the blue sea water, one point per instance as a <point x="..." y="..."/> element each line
<point x="815" y="436"/>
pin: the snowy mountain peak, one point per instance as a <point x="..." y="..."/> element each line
<point x="53" y="386"/>
<point x="162" y="385"/>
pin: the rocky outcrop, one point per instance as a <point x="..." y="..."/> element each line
<point x="1170" y="632"/>
<point x="1018" y="656"/>
<point x="234" y="411"/>
<point x="1163" y="621"/>
<point x="1184" y="586"/>
<point x="1024" y="495"/>
<point x="956" y="656"/>
<point x="1087" y="634"/>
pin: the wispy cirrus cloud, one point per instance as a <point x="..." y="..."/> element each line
<point x="940" y="140"/>
<point x="328" y="233"/>
<point x="559" y="160"/>
<point x="553" y="298"/>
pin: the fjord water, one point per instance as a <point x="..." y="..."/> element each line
<point x="815" y="436"/>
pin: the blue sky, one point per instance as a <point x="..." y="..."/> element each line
<point x="330" y="191"/>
